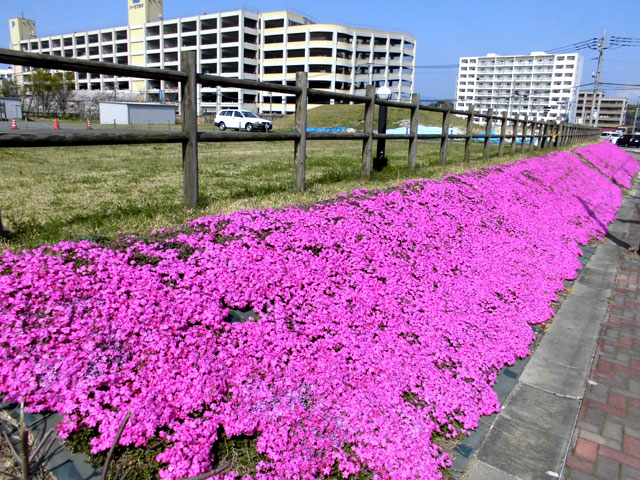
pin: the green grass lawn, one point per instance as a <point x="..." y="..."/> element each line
<point x="49" y="195"/>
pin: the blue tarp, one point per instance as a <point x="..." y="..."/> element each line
<point x="424" y="130"/>
<point x="319" y="129"/>
<point x="493" y="140"/>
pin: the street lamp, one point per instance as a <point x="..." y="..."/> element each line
<point x="383" y="93"/>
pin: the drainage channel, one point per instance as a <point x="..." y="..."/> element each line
<point x="507" y="379"/>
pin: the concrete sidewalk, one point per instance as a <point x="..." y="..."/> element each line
<point x="565" y="419"/>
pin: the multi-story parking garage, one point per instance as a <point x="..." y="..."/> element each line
<point x="242" y="44"/>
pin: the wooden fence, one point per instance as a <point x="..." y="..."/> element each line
<point x="532" y="134"/>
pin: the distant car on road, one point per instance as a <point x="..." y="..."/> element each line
<point x="241" y="119"/>
<point x="613" y="137"/>
<point x="629" y="141"/>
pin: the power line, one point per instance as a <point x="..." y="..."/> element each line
<point x="589" y="43"/>
<point x="621" y="84"/>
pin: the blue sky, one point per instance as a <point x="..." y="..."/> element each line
<point x="444" y="30"/>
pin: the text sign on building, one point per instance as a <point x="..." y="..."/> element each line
<point x="136" y="4"/>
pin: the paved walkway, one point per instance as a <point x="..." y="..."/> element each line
<point x="574" y="412"/>
<point x="606" y="442"/>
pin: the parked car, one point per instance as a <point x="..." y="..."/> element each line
<point x="241" y="119"/>
<point x="613" y="137"/>
<point x="629" y="141"/>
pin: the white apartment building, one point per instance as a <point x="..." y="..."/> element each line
<point x="539" y="85"/>
<point x="6" y="74"/>
<point x="242" y="44"/>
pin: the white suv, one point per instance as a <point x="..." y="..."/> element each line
<point x="241" y="119"/>
<point x="613" y="137"/>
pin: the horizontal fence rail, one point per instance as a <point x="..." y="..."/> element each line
<point x="526" y="134"/>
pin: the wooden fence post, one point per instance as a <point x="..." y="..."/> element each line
<point x="503" y="132"/>
<point x="367" y="143"/>
<point x="300" y="154"/>
<point x="514" y="134"/>
<point x="487" y="134"/>
<point x="543" y="141"/>
<point x="538" y="134"/>
<point x="415" y="121"/>
<point x="532" y="133"/>
<point x="190" y="128"/>
<point x="444" y="141"/>
<point x="570" y="134"/>
<point x="469" y="139"/>
<point x="524" y="132"/>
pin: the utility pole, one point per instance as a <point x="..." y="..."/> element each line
<point x="635" y="119"/>
<point x="594" y="118"/>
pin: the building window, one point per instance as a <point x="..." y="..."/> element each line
<point x="208" y="24"/>
<point x="229" y="37"/>
<point x="320" y="52"/>
<point x="231" y="21"/>
<point x="277" y="23"/>
<point x="322" y="36"/>
<point x="272" y="70"/>
<point x="296" y="37"/>
<point x="189" y="27"/>
<point x="273" y="39"/>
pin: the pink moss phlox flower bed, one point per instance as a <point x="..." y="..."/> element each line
<point x="382" y="319"/>
<point x="616" y="163"/>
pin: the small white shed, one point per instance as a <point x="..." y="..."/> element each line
<point x="136" y="113"/>
<point x="10" y="108"/>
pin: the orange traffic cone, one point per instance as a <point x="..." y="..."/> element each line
<point x="89" y="124"/>
<point x="56" y="125"/>
<point x="13" y="124"/>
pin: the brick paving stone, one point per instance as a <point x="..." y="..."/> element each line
<point x="600" y="440"/>
<point x="630" y="472"/>
<point x="631" y="432"/>
<point x="610" y="413"/>
<point x="586" y="449"/>
<point x="617" y="401"/>
<point x="631" y="446"/>
<point x="578" y="475"/>
<point x="580" y="465"/>
<point x="614" y="431"/>
<point x="621" y="457"/>
<point x="608" y="468"/>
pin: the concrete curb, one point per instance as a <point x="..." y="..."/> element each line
<point x="531" y="436"/>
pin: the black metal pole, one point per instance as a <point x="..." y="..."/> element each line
<point x="381" y="160"/>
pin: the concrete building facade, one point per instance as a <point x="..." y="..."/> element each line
<point x="242" y="44"/>
<point x="540" y="85"/>
<point x="609" y="112"/>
